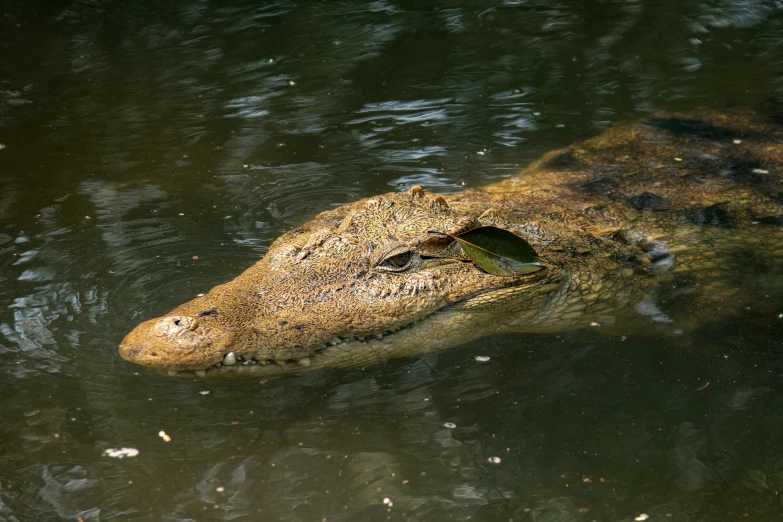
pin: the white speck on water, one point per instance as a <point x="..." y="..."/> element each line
<point x="204" y="392"/>
<point x="482" y="358"/>
<point x="2" y="146"/>
<point x="560" y="125"/>
<point x="220" y="489"/>
<point x="536" y="114"/>
<point x="480" y="153"/>
<point x="760" y="171"/>
<point x="736" y="142"/>
<point x="595" y="324"/>
<point x="199" y="295"/>
<point x="388" y="501"/>
<point x="494" y="460"/>
<point x="120" y="453"/>
<point x="449" y="425"/>
<point x="642" y="516"/>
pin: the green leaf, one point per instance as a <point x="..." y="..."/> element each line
<point x="498" y="252"/>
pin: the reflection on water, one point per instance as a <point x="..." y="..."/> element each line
<point x="150" y="151"/>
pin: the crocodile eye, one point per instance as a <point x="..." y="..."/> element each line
<point x="397" y="262"/>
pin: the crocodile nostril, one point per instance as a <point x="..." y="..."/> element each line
<point x="174" y="325"/>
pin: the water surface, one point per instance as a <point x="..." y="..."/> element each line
<point x="150" y="150"/>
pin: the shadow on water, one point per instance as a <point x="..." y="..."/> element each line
<point x="149" y="151"/>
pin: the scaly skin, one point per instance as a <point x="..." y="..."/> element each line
<point x="672" y="202"/>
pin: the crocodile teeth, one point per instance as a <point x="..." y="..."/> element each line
<point x="304" y="361"/>
<point x="230" y="359"/>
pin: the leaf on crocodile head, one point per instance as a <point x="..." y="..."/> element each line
<point x="497" y="251"/>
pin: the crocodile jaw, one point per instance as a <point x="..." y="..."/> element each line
<point x="472" y="318"/>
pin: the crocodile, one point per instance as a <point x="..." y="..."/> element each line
<point x="671" y="205"/>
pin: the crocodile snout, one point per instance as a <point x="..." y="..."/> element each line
<point x="174" y="341"/>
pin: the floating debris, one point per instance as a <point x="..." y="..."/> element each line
<point x="204" y="392"/>
<point x="595" y="324"/>
<point x="736" y="142"/>
<point x="760" y="171"/>
<point x="220" y="489"/>
<point x="121" y="453"/>
<point x="162" y="434"/>
<point x="494" y="460"/>
<point x="291" y="83"/>
<point x="677" y="159"/>
<point x="388" y="501"/>
<point x="480" y="153"/>
<point x="449" y="425"/>
<point x="482" y="358"/>
<point x="642" y="516"/>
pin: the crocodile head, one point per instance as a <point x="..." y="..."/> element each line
<point x="327" y="293"/>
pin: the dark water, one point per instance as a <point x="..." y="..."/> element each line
<point x="151" y="150"/>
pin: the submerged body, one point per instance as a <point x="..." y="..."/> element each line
<point x="670" y="204"/>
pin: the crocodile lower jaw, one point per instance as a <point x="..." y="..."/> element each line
<point x="337" y="352"/>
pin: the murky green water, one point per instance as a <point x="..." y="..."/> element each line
<point x="151" y="150"/>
